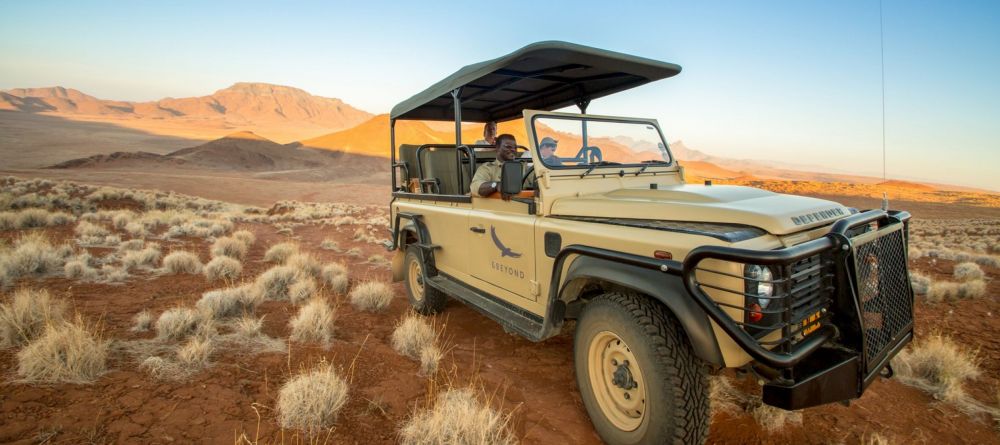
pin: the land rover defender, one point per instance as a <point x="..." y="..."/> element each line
<point x="667" y="281"/>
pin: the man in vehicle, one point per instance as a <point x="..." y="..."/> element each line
<point x="547" y="150"/>
<point x="486" y="181"/>
<point x="489" y="134"/>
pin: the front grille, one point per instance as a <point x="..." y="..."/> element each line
<point x="884" y="293"/>
<point x="811" y="289"/>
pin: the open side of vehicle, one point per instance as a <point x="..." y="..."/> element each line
<point x="662" y="277"/>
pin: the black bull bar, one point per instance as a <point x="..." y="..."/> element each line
<point x="842" y="304"/>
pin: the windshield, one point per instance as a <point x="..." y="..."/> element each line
<point x="578" y="141"/>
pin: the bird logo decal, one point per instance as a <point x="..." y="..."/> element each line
<point x="504" y="250"/>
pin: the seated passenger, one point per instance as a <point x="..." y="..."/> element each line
<point x="547" y="150"/>
<point x="489" y="135"/>
<point x="486" y="181"/>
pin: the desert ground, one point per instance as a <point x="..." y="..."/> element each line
<point x="103" y="252"/>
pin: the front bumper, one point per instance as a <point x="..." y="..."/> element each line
<point x="842" y="304"/>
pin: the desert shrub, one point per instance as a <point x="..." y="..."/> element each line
<point x="112" y="274"/>
<point x="195" y="353"/>
<point x="302" y="290"/>
<point x="66" y="352"/>
<point x="230" y="302"/>
<point x="177" y="323"/>
<point x="968" y="272"/>
<point x="314" y="322"/>
<point x="145" y="258"/>
<point x="305" y="264"/>
<point x="246" y="237"/>
<point x="32" y="255"/>
<point x="335" y="278"/>
<point x="429" y="359"/>
<point x="230" y="247"/>
<point x="273" y="284"/>
<point x="80" y="270"/>
<point x="247" y="326"/>
<point x="938" y="366"/>
<point x="280" y="252"/>
<point x="458" y="417"/>
<point x="223" y="267"/>
<point x="311" y="401"/>
<point x="723" y="397"/>
<point x="131" y="245"/>
<point x="354" y="251"/>
<point x="412" y="335"/>
<point x="920" y="283"/>
<point x="32" y="218"/>
<point x="59" y="218"/>
<point x="87" y="229"/>
<point x="944" y="290"/>
<point x="773" y="419"/>
<point x="25" y="314"/>
<point x="136" y="229"/>
<point x="180" y="261"/>
<point x="142" y="321"/>
<point x="121" y="219"/>
<point x="372" y="296"/>
<point x="329" y="244"/>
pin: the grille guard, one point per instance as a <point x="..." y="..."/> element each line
<point x="848" y="324"/>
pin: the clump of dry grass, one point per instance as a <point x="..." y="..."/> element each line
<point x="24" y="316"/>
<point x="458" y="417"/>
<point x="274" y="283"/>
<point x="247" y="326"/>
<point x="920" y="283"/>
<point x="66" y="352"/>
<point x="180" y="261"/>
<point x="966" y="272"/>
<point x="180" y="322"/>
<point x="31" y="255"/>
<point x="132" y="244"/>
<point x="354" y="251"/>
<point x="229" y="302"/>
<point x="938" y="366"/>
<point x="142" y="321"/>
<point x="724" y="397"/>
<point x="223" y="267"/>
<point x="329" y="244"/>
<point x="145" y="258"/>
<point x="245" y="236"/>
<point x="304" y="264"/>
<point x="946" y="290"/>
<point x="335" y="278"/>
<point x="429" y="359"/>
<point x="412" y="335"/>
<point x="311" y="401"/>
<point x="112" y="274"/>
<point x="314" y="322"/>
<point x="280" y="252"/>
<point x="302" y="290"/>
<point x="80" y="270"/>
<point x="195" y="353"/>
<point x="372" y="296"/>
<point x="230" y="247"/>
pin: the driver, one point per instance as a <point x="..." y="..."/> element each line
<point x="486" y="181"/>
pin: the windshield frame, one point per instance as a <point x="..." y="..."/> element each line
<point x="580" y="117"/>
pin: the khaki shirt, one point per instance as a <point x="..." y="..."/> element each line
<point x="487" y="172"/>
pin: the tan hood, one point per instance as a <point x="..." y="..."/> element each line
<point x="776" y="213"/>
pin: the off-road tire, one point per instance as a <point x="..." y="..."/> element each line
<point x="675" y="408"/>
<point x="425" y="299"/>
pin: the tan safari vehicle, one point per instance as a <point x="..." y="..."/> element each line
<point x="666" y="281"/>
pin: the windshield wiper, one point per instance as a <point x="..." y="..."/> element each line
<point x="649" y="162"/>
<point x="598" y="164"/>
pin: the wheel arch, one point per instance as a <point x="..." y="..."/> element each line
<point x="408" y="234"/>
<point x="586" y="275"/>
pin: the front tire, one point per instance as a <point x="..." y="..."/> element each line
<point x="637" y="374"/>
<point x="424" y="299"/>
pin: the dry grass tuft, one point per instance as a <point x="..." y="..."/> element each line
<point x="180" y="261"/>
<point x="372" y="296"/>
<point x="273" y="284"/>
<point x="302" y="290"/>
<point x="311" y="401"/>
<point x="773" y="419"/>
<point x="32" y="255"/>
<point x="938" y="366"/>
<point x="24" y="316"/>
<point x="230" y="247"/>
<point x="245" y="236"/>
<point x="723" y="397"/>
<point x="329" y="244"/>
<point x="966" y="272"/>
<point x="80" y="270"/>
<point x="945" y="290"/>
<point x="180" y="322"/>
<point x="66" y="352"/>
<point x="247" y="326"/>
<point x="142" y="321"/>
<point x="280" y="252"/>
<point x="412" y="335"/>
<point x="458" y="417"/>
<point x="314" y="322"/>
<point x="726" y="398"/>
<point x="195" y="353"/>
<point x="229" y="302"/>
<point x="145" y="258"/>
<point x="429" y="359"/>
<point x="305" y="264"/>
<point x="920" y="283"/>
<point x="223" y="267"/>
<point x="335" y="278"/>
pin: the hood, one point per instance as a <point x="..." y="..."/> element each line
<point x="776" y="213"/>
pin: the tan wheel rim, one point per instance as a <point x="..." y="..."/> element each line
<point x="415" y="276"/>
<point x="617" y="381"/>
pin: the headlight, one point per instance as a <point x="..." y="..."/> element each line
<point x="760" y="283"/>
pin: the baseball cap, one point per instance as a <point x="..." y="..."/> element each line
<point x="547" y="141"/>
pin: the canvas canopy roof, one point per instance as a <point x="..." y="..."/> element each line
<point x="540" y="76"/>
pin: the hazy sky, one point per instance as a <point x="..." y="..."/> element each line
<point x="798" y="81"/>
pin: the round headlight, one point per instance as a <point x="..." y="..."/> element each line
<point x="762" y="277"/>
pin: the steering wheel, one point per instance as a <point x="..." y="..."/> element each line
<point x="527" y="174"/>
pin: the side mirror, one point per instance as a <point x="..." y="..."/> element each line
<point x="510" y="178"/>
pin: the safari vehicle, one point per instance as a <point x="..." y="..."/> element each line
<point x="666" y="281"/>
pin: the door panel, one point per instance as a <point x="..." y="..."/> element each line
<point x="502" y="245"/>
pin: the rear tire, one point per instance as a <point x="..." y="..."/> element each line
<point x="425" y="299"/>
<point x="637" y="374"/>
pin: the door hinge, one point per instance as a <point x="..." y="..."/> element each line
<point x="536" y="289"/>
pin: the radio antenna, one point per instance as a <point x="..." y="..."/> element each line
<point x="881" y="41"/>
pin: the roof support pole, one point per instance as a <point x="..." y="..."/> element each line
<point x="457" y="101"/>
<point x="392" y="152"/>
<point x="583" y="104"/>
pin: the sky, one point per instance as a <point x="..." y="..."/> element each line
<point x="793" y="81"/>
